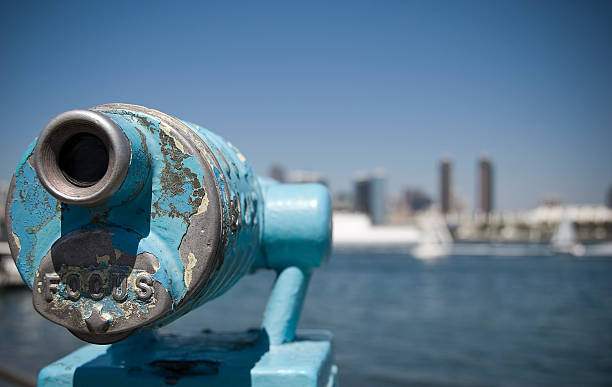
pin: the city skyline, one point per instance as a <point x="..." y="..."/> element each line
<point x="338" y="88"/>
<point x="445" y="198"/>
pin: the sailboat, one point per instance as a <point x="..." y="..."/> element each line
<point x="436" y="241"/>
<point x="565" y="241"/>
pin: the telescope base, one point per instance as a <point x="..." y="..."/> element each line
<point x="208" y="359"/>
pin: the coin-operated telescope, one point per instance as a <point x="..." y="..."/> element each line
<point x="122" y="219"/>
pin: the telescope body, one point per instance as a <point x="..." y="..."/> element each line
<point x="122" y="218"/>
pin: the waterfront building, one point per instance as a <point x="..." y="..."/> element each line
<point x="303" y="176"/>
<point x="370" y="197"/>
<point x="592" y="223"/>
<point x="343" y="202"/>
<point x="277" y="172"/>
<point x="417" y="200"/>
<point x="445" y="186"/>
<point x="485" y="189"/>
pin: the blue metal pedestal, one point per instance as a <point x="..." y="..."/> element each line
<point x="208" y="359"/>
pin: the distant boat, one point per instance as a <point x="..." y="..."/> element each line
<point x="436" y="241"/>
<point x="565" y="241"/>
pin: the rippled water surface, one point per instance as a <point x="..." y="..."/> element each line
<point x="460" y="321"/>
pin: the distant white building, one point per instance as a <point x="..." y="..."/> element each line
<point x="356" y="230"/>
<point x="575" y="213"/>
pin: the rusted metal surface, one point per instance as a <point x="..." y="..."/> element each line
<point x="175" y="223"/>
<point x="123" y="218"/>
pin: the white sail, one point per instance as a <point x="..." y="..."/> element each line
<point x="436" y="241"/>
<point x="565" y="240"/>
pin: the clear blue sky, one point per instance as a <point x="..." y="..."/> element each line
<point x="338" y="87"/>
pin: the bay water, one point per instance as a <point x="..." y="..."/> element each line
<point x="398" y="321"/>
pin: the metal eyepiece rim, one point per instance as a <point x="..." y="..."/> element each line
<point x="57" y="132"/>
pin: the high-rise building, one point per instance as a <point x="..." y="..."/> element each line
<point x="485" y="185"/>
<point x="445" y="186"/>
<point x="362" y="195"/>
<point x="370" y="197"/>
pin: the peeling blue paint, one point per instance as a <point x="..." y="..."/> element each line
<point x="42" y="220"/>
<point x="240" y="178"/>
<point x="42" y="210"/>
<point x="153" y="209"/>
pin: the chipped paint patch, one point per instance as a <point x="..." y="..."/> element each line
<point x="188" y="270"/>
<point x="203" y="206"/>
<point x="241" y="157"/>
<point x="156" y="265"/>
<point x="238" y="153"/>
<point x="103" y="259"/>
<point x="163" y="126"/>
<point x="17" y="241"/>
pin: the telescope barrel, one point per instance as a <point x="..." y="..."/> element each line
<point x="122" y="218"/>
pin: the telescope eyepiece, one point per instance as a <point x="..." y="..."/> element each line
<point x="82" y="157"/>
